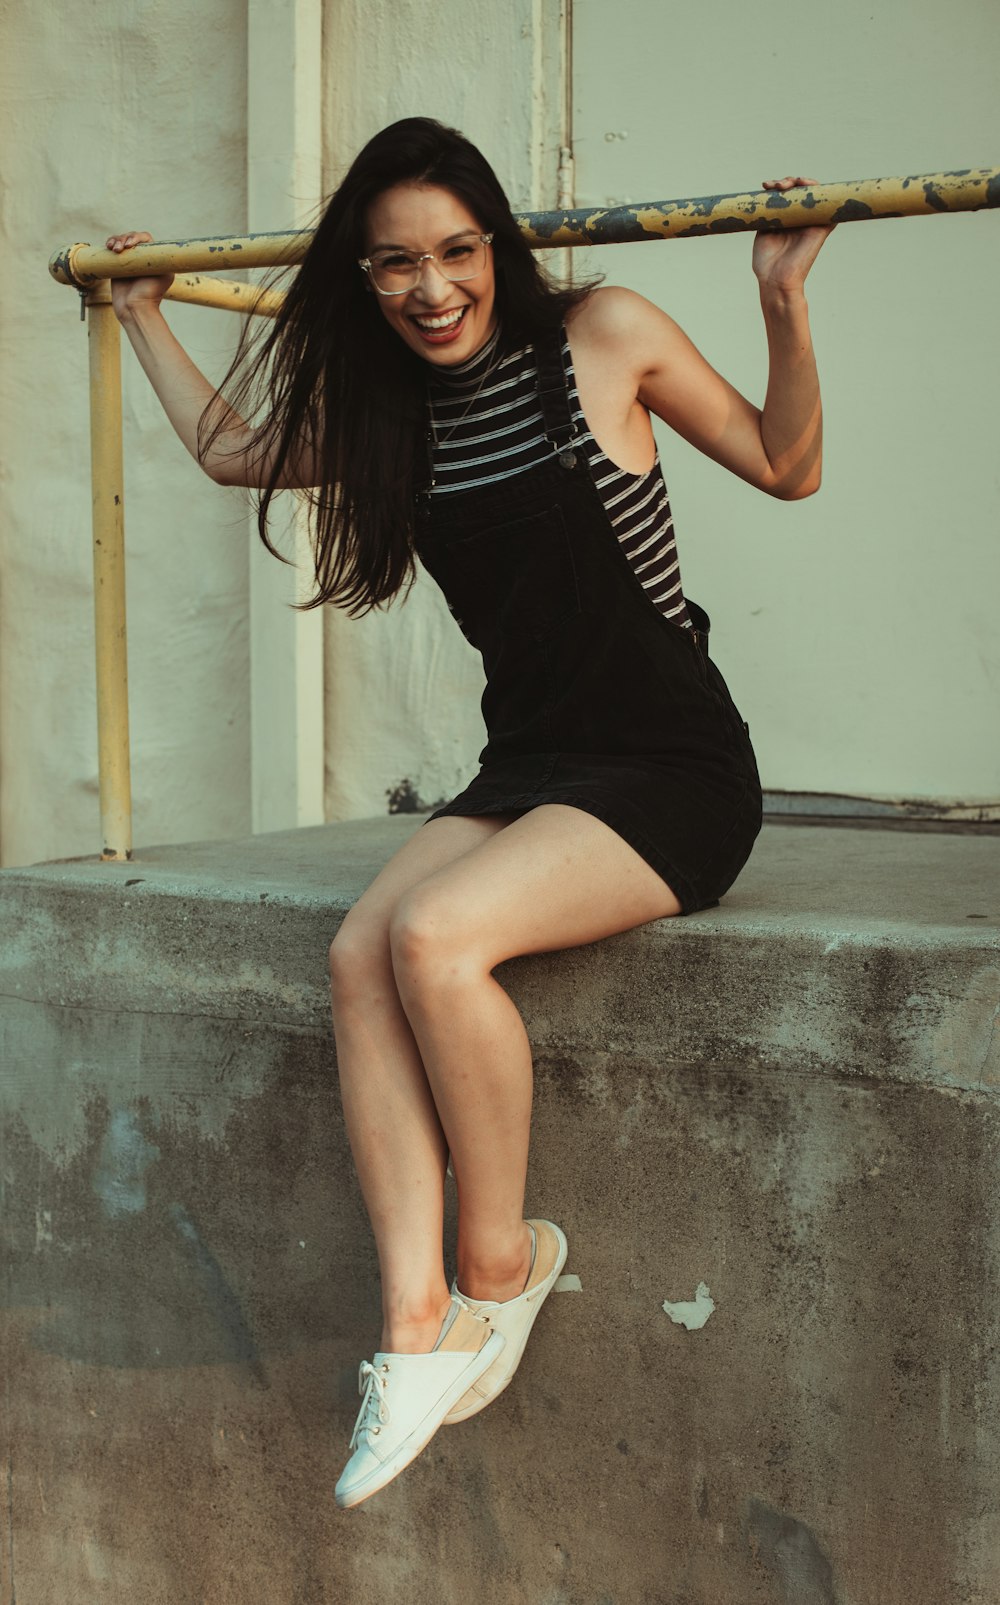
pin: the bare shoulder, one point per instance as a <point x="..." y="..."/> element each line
<point x="615" y="319"/>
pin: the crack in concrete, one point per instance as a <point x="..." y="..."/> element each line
<point x="157" y="1013"/>
<point x="7" y="1538"/>
<point x="988" y="1053"/>
<point x="10" y="1594"/>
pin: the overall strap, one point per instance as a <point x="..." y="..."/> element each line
<point x="553" y="391"/>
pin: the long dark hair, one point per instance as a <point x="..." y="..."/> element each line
<point x="332" y="378"/>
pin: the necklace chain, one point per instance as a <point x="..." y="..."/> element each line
<point x="489" y="351"/>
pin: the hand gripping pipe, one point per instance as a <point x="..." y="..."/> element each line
<point x="88" y="268"/>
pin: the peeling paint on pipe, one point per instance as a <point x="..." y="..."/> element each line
<point x="848" y="201"/>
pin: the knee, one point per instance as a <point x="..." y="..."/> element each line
<point x="359" y="955"/>
<point x="426" y="941"/>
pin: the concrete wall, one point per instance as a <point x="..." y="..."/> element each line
<point x="403" y="686"/>
<point x="220" y="676"/>
<point x="792" y="1099"/>
<point x="858" y="629"/>
<point x="132" y="115"/>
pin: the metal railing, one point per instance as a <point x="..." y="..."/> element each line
<point x="89" y="269"/>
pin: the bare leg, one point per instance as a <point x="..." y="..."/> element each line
<point x="555" y="878"/>
<point x="396" y="1137"/>
<point x="433" y="1052"/>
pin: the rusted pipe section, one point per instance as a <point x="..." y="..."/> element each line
<point x="199" y="289"/>
<point x="109" y="574"/>
<point x="82" y="265"/>
<point x="858" y="200"/>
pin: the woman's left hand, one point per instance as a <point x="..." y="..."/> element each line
<point x="782" y="259"/>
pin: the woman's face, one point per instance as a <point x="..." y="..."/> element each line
<point x="445" y="321"/>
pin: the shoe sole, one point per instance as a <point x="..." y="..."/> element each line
<point x="507" y="1363"/>
<point x="422" y="1433"/>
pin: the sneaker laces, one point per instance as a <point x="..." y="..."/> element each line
<point x="472" y="1307"/>
<point x="374" y="1412"/>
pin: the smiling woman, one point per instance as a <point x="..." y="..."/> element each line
<point x="447" y="312"/>
<point x="442" y="400"/>
<point x="461" y="258"/>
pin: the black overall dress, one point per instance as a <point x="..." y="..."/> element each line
<point x="593" y="698"/>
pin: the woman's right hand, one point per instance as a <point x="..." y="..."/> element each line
<point x="127" y="294"/>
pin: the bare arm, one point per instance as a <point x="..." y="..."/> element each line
<point x="183" y="389"/>
<point x="777" y="448"/>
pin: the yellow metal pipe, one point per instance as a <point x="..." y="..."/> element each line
<point x="857" y="200"/>
<point x="81" y="265"/>
<point x="109" y="575"/>
<point x="199" y="290"/>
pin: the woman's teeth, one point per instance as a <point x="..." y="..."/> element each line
<point x="444" y="320"/>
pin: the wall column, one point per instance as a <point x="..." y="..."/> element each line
<point x="284" y="56"/>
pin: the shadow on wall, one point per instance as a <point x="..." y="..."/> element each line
<point x="789" y="1551"/>
<point x="404" y="798"/>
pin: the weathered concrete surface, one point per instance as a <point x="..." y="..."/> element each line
<point x="792" y="1099"/>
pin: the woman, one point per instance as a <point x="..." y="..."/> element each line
<point x="441" y="397"/>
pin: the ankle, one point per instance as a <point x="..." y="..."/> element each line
<point x="500" y="1272"/>
<point x="414" y="1329"/>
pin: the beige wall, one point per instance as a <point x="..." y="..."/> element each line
<point x="136" y="119"/>
<point x="144" y="122"/>
<point x="403" y="686"/>
<point x="857" y="628"/>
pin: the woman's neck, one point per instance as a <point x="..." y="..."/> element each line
<point x="462" y="374"/>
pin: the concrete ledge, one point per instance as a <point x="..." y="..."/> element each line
<point x="792" y="1099"/>
<point x="867" y="952"/>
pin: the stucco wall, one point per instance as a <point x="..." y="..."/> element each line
<point x="129" y="115"/>
<point x="188" y="1282"/>
<point x="403" y="686"/>
<point x="858" y="629"/>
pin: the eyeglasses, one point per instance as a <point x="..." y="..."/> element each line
<point x="393" y="271"/>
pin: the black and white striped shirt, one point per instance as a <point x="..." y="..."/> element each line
<point x="488" y="426"/>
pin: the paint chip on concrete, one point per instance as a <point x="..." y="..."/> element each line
<point x="694" y="1313"/>
<point x="568" y="1284"/>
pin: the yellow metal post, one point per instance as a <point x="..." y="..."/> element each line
<point x="109" y="573"/>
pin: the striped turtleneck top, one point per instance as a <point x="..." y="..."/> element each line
<point x="487" y="426"/>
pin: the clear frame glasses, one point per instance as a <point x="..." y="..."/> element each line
<point x="394" y="271"/>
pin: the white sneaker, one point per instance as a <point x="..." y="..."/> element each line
<point x="405" y="1398"/>
<point x="513" y="1319"/>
